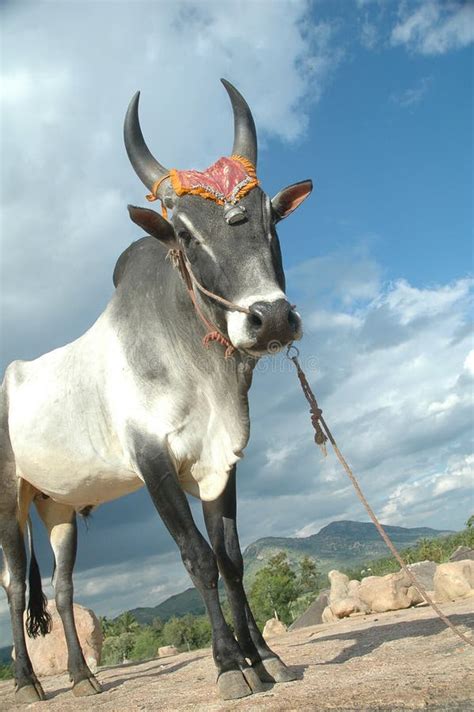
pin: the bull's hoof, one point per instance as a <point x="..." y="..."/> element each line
<point x="273" y="670"/>
<point x="232" y="685"/>
<point x="253" y="680"/>
<point x="89" y="686"/>
<point x="30" y="693"/>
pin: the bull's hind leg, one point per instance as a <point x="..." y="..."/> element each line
<point x="14" y="504"/>
<point x="220" y="517"/>
<point x="60" y="521"/>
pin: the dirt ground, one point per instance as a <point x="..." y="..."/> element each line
<point x="404" y="660"/>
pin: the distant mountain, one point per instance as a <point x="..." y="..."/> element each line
<point x="188" y="601"/>
<point x="339" y="545"/>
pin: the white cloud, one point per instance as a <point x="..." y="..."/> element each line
<point x="412" y="96"/>
<point x="469" y="362"/>
<point x="411" y="303"/>
<point x="334" y="277"/>
<point x="369" y="34"/>
<point x="112" y="588"/>
<point x="278" y="456"/>
<point x="66" y="80"/>
<point x="447" y="404"/>
<point x="426" y="494"/>
<point x="390" y="374"/>
<point x="434" y="26"/>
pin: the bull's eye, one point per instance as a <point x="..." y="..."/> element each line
<point x="186" y="237"/>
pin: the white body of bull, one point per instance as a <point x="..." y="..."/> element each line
<point x="71" y="413"/>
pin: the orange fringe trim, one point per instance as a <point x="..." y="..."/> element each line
<point x="199" y="190"/>
<point x="249" y="167"/>
<point x="151" y="197"/>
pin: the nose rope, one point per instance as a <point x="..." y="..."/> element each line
<point x="179" y="260"/>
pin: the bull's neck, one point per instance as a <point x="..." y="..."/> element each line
<point x="208" y="358"/>
<point x="162" y="335"/>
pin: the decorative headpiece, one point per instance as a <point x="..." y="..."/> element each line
<point x="225" y="182"/>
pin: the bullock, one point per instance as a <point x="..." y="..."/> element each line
<point x="139" y="400"/>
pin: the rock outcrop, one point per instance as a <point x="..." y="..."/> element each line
<point x="272" y="628"/>
<point x="462" y="553"/>
<point x="328" y="616"/>
<point x="454" y="580"/>
<point x="49" y="653"/>
<point x="343" y="596"/>
<point x="167" y="650"/>
<point x="424" y="572"/>
<point x="314" y="614"/>
<point x="388" y="593"/>
<point x="378" y="594"/>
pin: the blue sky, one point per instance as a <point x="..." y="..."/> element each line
<point x="373" y="101"/>
<point x="390" y="143"/>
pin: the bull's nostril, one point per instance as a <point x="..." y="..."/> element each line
<point x="293" y="320"/>
<point x="255" y="320"/>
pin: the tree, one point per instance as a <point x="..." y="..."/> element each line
<point x="117" y="648"/>
<point x="146" y="643"/>
<point x="274" y="589"/>
<point x="125" y="623"/>
<point x="188" y="632"/>
<point x="157" y="625"/>
<point x="308" y="576"/>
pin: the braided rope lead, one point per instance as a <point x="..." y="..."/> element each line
<point x="322" y="435"/>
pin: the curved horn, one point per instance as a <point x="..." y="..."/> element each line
<point x="245" y="135"/>
<point x="145" y="165"/>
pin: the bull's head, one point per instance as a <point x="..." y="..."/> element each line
<point x="229" y="241"/>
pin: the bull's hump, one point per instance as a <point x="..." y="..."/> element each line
<point x="146" y="247"/>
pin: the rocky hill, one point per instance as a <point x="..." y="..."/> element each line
<point x="339" y="545"/>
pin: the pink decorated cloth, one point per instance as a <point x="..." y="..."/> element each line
<point x="227" y="180"/>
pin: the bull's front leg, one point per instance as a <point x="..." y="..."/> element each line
<point x="235" y="677"/>
<point x="220" y="517"/>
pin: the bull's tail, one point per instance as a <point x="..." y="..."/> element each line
<point x="38" y="620"/>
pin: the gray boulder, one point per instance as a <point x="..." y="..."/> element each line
<point x="313" y="614"/>
<point x="462" y="553"/>
<point x="49" y="654"/>
<point x="424" y="572"/>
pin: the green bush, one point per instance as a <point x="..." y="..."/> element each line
<point x="117" y="648"/>
<point x="6" y="671"/>
<point x="146" y="643"/>
<point x="280" y="591"/>
<point x="188" y="632"/>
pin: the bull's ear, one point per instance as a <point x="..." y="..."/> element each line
<point x="289" y="198"/>
<point x="152" y="223"/>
